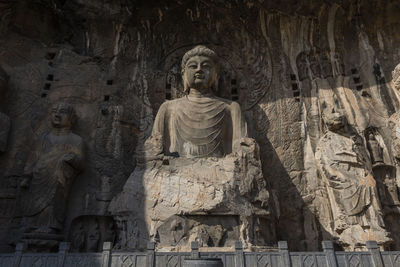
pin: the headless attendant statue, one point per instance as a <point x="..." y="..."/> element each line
<point x="346" y="169"/>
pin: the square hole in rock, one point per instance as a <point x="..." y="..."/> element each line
<point x="50" y="56"/>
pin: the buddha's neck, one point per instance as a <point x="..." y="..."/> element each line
<point x="60" y="131"/>
<point x="199" y="93"/>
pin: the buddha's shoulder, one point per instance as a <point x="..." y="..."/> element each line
<point x="233" y="105"/>
<point x="171" y="103"/>
<point x="177" y="102"/>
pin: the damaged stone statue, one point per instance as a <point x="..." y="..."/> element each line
<point x="346" y="169"/>
<point x="394" y="120"/>
<point x="54" y="163"/>
<point x="4" y="119"/>
<point x="199" y="172"/>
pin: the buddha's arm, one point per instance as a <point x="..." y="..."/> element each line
<point x="159" y="122"/>
<point x="154" y="145"/>
<point x="239" y="126"/>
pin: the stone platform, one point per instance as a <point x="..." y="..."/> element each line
<point x="231" y="257"/>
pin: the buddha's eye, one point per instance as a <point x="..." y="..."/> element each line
<point x="192" y="66"/>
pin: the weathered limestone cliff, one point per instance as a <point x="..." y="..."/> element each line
<point x="316" y="81"/>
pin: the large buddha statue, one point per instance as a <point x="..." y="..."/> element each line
<point x="54" y="163"/>
<point x="198" y="173"/>
<point x="199" y="124"/>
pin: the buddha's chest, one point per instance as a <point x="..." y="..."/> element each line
<point x="205" y="117"/>
<point x="199" y="128"/>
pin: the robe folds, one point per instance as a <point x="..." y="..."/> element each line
<point x="51" y="177"/>
<point x="199" y="126"/>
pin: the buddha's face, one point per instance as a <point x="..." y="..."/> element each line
<point x="200" y="73"/>
<point x="61" y="116"/>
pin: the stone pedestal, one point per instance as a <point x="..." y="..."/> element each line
<point x="215" y="201"/>
<point x="42" y="242"/>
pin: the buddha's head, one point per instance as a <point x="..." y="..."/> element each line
<point x="200" y="69"/>
<point x="396" y="77"/>
<point x="62" y="115"/>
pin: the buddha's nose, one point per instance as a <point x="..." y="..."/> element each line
<point x="199" y="70"/>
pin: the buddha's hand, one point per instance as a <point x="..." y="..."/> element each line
<point x="153" y="147"/>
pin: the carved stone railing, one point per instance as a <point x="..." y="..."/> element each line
<point x="373" y="257"/>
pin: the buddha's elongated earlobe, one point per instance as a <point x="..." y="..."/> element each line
<point x="185" y="87"/>
<point x="214" y="86"/>
<point x="185" y="84"/>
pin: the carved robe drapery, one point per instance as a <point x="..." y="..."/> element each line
<point x="345" y="167"/>
<point x="44" y="199"/>
<point x="199" y="126"/>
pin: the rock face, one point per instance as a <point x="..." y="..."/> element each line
<point x="285" y="63"/>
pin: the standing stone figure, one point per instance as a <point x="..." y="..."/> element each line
<point x="391" y="185"/>
<point x="394" y="120"/>
<point x="376" y="151"/>
<point x="346" y="169"/>
<point x="4" y="119"/>
<point x="54" y="163"/>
